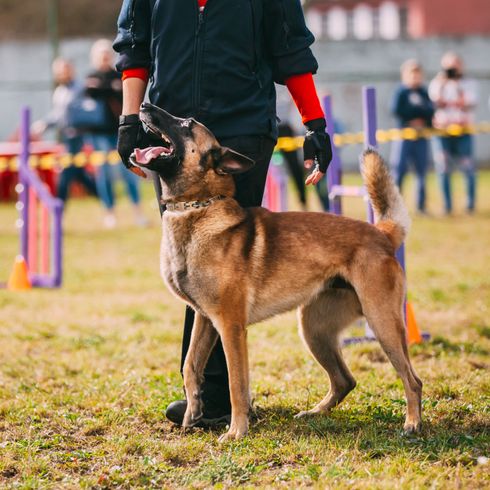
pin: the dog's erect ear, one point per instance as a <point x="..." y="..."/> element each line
<point x="232" y="162"/>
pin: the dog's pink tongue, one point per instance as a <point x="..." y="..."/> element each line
<point x="146" y="155"/>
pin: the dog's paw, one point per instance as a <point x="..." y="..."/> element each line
<point x="306" y="413"/>
<point x="412" y="427"/>
<point x="191" y="419"/>
<point x="231" y="435"/>
<point x="302" y="414"/>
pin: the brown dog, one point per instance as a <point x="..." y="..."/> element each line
<point x="238" y="266"/>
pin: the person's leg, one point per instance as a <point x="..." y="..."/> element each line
<point x="132" y="184"/>
<point x="322" y="193"/>
<point x="131" y="181"/>
<point x="74" y="145"/>
<point x="293" y="164"/>
<point x="467" y="162"/>
<point x="399" y="161"/>
<point x="297" y="173"/>
<point x="103" y="179"/>
<point x="157" y="185"/>
<point x="442" y="155"/>
<point x="86" y="180"/>
<point x="249" y="193"/>
<point x="420" y="159"/>
<point x="64" y="181"/>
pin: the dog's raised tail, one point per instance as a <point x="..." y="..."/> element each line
<point x="391" y="215"/>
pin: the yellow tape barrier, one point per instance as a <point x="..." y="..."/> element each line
<point x="98" y="158"/>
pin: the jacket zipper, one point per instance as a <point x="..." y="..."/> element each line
<point x="152" y="28"/>
<point x="131" y="25"/>
<point x="197" y="62"/>
<point x="254" y="46"/>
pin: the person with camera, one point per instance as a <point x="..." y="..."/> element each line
<point x="455" y="98"/>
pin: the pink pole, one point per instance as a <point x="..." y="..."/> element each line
<point x="32" y="232"/>
<point x="45" y="239"/>
<point x="273" y="194"/>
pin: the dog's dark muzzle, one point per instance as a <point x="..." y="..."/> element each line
<point x="165" y="139"/>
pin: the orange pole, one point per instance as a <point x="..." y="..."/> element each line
<point x="32" y="231"/>
<point x="45" y="239"/>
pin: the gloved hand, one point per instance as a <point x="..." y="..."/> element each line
<point x="317" y="149"/>
<point x="131" y="135"/>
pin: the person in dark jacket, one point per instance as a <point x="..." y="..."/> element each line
<point x="217" y="61"/>
<point x="104" y="83"/>
<point x="67" y="90"/>
<point x="413" y="109"/>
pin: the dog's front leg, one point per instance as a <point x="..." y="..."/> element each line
<point x="234" y="339"/>
<point x="203" y="339"/>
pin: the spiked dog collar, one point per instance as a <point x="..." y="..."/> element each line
<point x="186" y="205"/>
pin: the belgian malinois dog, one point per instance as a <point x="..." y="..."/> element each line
<point x="237" y="266"/>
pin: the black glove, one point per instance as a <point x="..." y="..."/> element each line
<point x="131" y="135"/>
<point x="317" y="145"/>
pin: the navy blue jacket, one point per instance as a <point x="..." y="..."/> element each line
<point x="412" y="103"/>
<point x="220" y="65"/>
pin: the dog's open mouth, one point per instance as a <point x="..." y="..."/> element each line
<point x="152" y="154"/>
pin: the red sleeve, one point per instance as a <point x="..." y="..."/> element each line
<point x="303" y="91"/>
<point x="141" y="73"/>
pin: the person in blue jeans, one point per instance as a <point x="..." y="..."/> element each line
<point x="105" y="83"/>
<point x="455" y="97"/>
<point x="413" y="109"/>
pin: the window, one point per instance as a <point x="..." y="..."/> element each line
<point x="389" y="21"/>
<point x="337" y="24"/>
<point x="362" y="22"/>
<point x="314" y="21"/>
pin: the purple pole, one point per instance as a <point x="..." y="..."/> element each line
<point x="23" y="180"/>
<point x="334" y="172"/>
<point x="369" y="118"/>
<point x="370" y="127"/>
<point x="27" y="178"/>
<point x="57" y="244"/>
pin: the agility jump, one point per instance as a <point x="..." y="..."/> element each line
<point x="39" y="263"/>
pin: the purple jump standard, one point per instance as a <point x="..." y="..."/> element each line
<point x="29" y="179"/>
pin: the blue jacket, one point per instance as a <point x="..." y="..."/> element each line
<point x="412" y="103"/>
<point x="218" y="65"/>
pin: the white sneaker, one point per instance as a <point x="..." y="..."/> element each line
<point x="110" y="221"/>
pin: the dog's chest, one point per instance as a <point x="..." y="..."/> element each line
<point x="174" y="263"/>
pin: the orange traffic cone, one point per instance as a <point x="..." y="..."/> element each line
<point x="413" y="332"/>
<point x="19" y="277"/>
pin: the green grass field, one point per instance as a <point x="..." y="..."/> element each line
<point x="87" y="371"/>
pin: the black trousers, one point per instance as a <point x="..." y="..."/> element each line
<point x="249" y="193"/>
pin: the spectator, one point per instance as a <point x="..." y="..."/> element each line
<point x="104" y="84"/>
<point x="67" y="90"/>
<point x="455" y="98"/>
<point x="413" y="109"/>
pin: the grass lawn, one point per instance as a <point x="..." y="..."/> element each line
<point x="87" y="371"/>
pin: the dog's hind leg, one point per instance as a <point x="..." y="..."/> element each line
<point x="320" y="323"/>
<point x="382" y="302"/>
<point x="203" y="339"/>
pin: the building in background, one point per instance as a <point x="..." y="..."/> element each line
<point x="359" y="42"/>
<point x="339" y="20"/>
